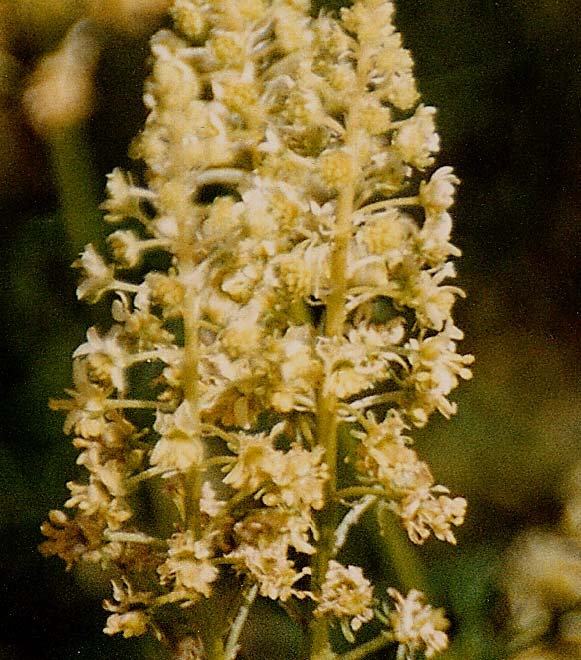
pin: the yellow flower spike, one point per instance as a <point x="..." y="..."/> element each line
<point x="300" y="317"/>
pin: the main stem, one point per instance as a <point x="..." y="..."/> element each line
<point x="327" y="425"/>
<point x="192" y="480"/>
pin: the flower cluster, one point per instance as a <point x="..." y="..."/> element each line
<point x="278" y="278"/>
<point x="417" y="626"/>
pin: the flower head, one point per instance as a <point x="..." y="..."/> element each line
<point x="347" y="595"/>
<point x="416" y="626"/>
<point x="299" y="316"/>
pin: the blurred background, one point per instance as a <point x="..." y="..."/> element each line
<point x="506" y="79"/>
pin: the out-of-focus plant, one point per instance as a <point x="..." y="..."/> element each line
<point x="60" y="91"/>
<point x="49" y="58"/>
<point x="542" y="581"/>
<point x="282" y="320"/>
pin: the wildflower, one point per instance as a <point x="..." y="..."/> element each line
<point x="255" y="461"/>
<point x="436" y="370"/>
<point x="437" y="195"/>
<point x="98" y="276"/>
<point x="303" y="317"/>
<point x="126" y="247"/>
<point x="71" y="539"/>
<point x="416" y="626"/>
<point x="422" y="512"/>
<point x="127" y="619"/>
<point x="129" y="624"/>
<point x="87" y="406"/>
<point x="336" y="168"/>
<point x="123" y="197"/>
<point x="188" y="567"/>
<point x="347" y="595"/>
<point x="179" y="447"/>
<point x="434" y="239"/>
<point x="107" y="358"/>
<point x="299" y="480"/>
<point x="417" y="139"/>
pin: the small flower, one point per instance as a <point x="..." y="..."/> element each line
<point x="123" y="197"/>
<point x="337" y="168"/>
<point x="71" y="539"/>
<point x="270" y="526"/>
<point x="395" y="467"/>
<point x="256" y="458"/>
<point x="127" y="619"/>
<point x="436" y="370"/>
<point x="434" y="238"/>
<point x="179" y="448"/>
<point x="416" y="140"/>
<point x="126" y="247"/>
<point x="294" y="371"/>
<point x="347" y="595"/>
<point x="98" y="277"/>
<point x="274" y="572"/>
<point x="106" y="357"/>
<point x="431" y="300"/>
<point x="421" y="513"/>
<point x="298" y="480"/>
<point x="87" y="406"/>
<point x="129" y="624"/>
<point x="189" y="18"/>
<point x="387" y="234"/>
<point x="437" y="195"/>
<point x="188" y="567"/>
<point x="416" y="626"/>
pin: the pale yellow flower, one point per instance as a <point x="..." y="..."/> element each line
<point x="256" y="459"/>
<point x="107" y="358"/>
<point x="423" y="512"/>
<point x="129" y="620"/>
<point x="179" y="447"/>
<point x="416" y="140"/>
<point x="347" y="595"/>
<point x="123" y="197"/>
<point x="437" y="194"/>
<point x="300" y="315"/>
<point x="274" y="572"/>
<point x="266" y="527"/>
<point x="188" y="567"/>
<point x="417" y="626"/>
<point x="97" y="275"/>
<point x="298" y="479"/>
<point x="129" y="624"/>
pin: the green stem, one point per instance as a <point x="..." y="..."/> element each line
<point x="232" y="643"/>
<point x="384" y="204"/>
<point x="365" y="649"/>
<point x="359" y="491"/>
<point x="327" y="424"/>
<point x="403" y="556"/>
<point x="77" y="189"/>
<point x="191" y="377"/>
<point x="327" y="404"/>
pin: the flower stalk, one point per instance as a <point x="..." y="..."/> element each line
<point x="302" y="319"/>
